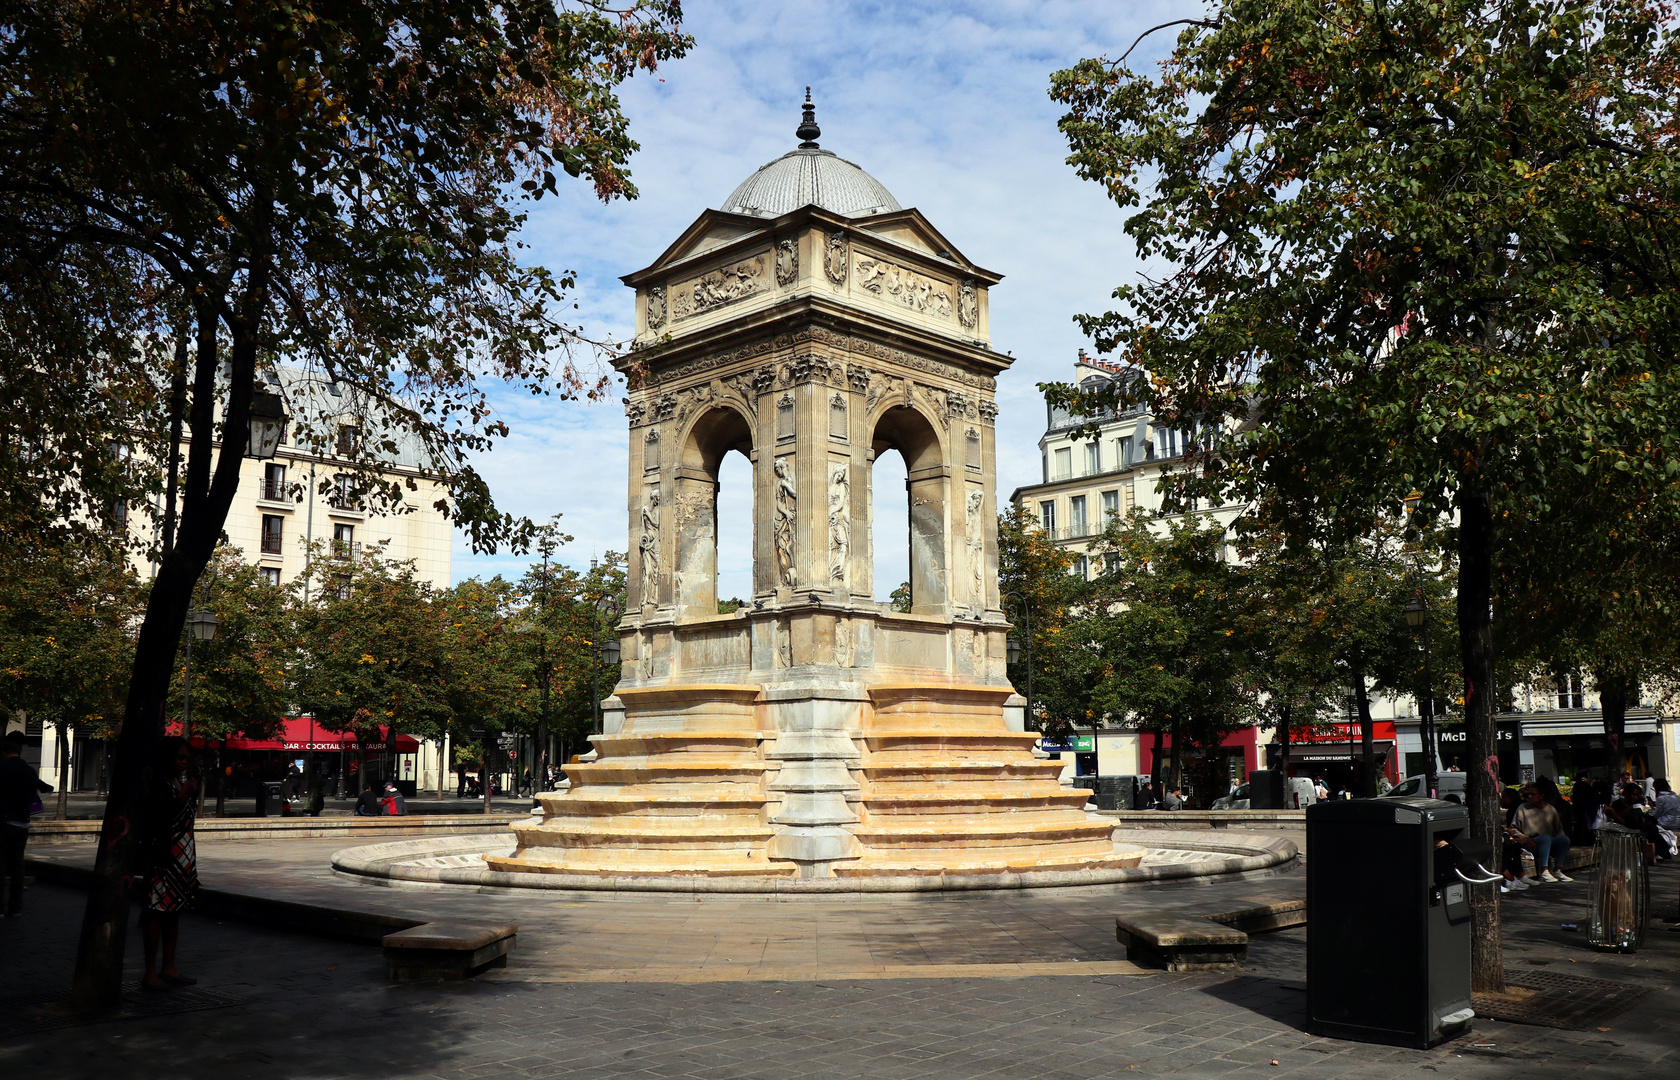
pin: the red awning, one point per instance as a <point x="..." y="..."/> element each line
<point x="301" y="734"/>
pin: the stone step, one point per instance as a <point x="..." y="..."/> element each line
<point x="879" y="768"/>
<point x="906" y="798"/>
<point x="982" y="830"/>
<point x="700" y="832"/>
<point x="682" y="768"/>
<point x="998" y="861"/>
<point x="945" y="740"/>
<point x="638" y="865"/>
<point x="718" y="742"/>
<point x="649" y="801"/>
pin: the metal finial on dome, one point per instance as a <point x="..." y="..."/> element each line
<point x="808" y="131"/>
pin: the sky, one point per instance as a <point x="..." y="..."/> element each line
<point x="945" y="104"/>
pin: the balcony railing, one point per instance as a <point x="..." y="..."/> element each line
<point x="347" y="549"/>
<point x="272" y="490"/>
<point x="271" y="543"/>
<point x="340" y="501"/>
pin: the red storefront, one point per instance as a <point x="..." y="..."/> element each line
<point x="1330" y="752"/>
<point x="1230" y="762"/>
<point x="254" y="760"/>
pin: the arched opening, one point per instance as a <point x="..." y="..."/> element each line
<point x="734" y="529"/>
<point x="889" y="516"/>
<point x="925" y="480"/>
<point x="698" y="513"/>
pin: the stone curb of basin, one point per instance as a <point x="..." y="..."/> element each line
<point x="379" y="863"/>
<point x="292" y="828"/>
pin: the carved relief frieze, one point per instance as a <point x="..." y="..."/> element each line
<point x="844" y="342"/>
<point x="787" y="261"/>
<point x="664" y="407"/>
<point x="968" y="305"/>
<point x="918" y="292"/>
<point x="787" y="514"/>
<point x="743" y="386"/>
<point x="694" y="399"/>
<point x="839" y="522"/>
<point x="977" y="544"/>
<point x="764" y="379"/>
<point x="881" y="387"/>
<point x="724" y="285"/>
<point x="987" y="410"/>
<point x="857" y="377"/>
<point x="938" y="402"/>
<point x="634" y="411"/>
<point x="656" y="307"/>
<point x="834" y="258"/>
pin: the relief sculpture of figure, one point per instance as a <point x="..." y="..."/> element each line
<point x="787" y="509"/>
<point x="650" y="548"/>
<point x="977" y="546"/>
<point x="839" y="522"/>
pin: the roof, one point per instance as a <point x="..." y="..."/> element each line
<point x="807" y="177"/>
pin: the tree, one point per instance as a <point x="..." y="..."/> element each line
<point x="1410" y="245"/>
<point x="1035" y="573"/>
<point x="1161" y="636"/>
<point x="66" y="623"/>
<point x="322" y="182"/>
<point x="487" y="680"/>
<point x="563" y="619"/>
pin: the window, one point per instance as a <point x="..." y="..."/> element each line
<point x="349" y="436"/>
<point x="1128" y="498"/>
<point x="271" y="534"/>
<point x="1093" y="458"/>
<point x="1064" y="463"/>
<point x="270" y="575"/>
<point x="1110" y="505"/>
<point x="344" y="541"/>
<point x="1076" y="516"/>
<point x="339" y="587"/>
<point x="1123" y="452"/>
<point x="1569" y="692"/>
<point x="1111" y="562"/>
<point x="1082" y="568"/>
<point x="119" y="515"/>
<point x="344" y="495"/>
<point x="274" y="481"/>
<point x="1047" y="516"/>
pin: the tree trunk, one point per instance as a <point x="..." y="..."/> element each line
<point x="1612" y="702"/>
<point x="208" y="493"/>
<point x="1475" y="629"/>
<point x="1155" y="766"/>
<point x="443" y="761"/>
<point x="63" y="756"/>
<point x="1283" y="738"/>
<point x="1367" y="752"/>
<point x="1176" y="776"/>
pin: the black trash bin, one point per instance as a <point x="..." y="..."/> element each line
<point x="1388" y="920"/>
<point x="269" y="799"/>
<point x="1265" y="790"/>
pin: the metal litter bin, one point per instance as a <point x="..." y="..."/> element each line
<point x="268" y="798"/>
<point x="1621" y="895"/>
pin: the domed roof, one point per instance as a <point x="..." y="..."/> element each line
<point x="809" y="176"/>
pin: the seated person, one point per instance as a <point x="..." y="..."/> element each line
<point x="1511" y="850"/>
<point x="1666" y="806"/>
<point x="368" y="804"/>
<point x="1538" y="821"/>
<point x="393" y="802"/>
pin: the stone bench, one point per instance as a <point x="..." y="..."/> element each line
<point x="448" y="949"/>
<point x="1180" y="942"/>
<point x="1258" y="916"/>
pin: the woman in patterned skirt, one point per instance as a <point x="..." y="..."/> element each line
<point x="172" y="876"/>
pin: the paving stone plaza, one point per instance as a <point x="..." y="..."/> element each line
<point x="1019" y="983"/>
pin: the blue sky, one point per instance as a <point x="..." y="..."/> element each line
<point x="945" y="104"/>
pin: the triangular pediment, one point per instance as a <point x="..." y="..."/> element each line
<point x="715" y="229"/>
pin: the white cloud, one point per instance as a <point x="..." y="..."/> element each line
<point x="946" y="104"/>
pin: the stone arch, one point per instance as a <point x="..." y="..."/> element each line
<point x="908" y="430"/>
<point x="715" y="432"/>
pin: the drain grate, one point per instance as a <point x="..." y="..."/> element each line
<point x="1569" y="1002"/>
<point x="36" y="1013"/>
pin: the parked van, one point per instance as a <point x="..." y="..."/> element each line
<point x="1298" y="795"/>
<point x="1448" y="785"/>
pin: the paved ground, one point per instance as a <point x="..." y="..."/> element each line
<point x="1018" y="984"/>
<point x="86" y="804"/>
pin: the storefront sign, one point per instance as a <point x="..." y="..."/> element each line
<point x="1079" y="744"/>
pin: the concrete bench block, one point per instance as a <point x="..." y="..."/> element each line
<point x="1180" y="942"/>
<point x="448" y="949"/>
<point x="1257" y="917"/>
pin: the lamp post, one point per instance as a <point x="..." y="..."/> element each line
<point x="268" y="425"/>
<point x="607" y="650"/>
<point x="1012" y="644"/>
<point x="201" y="626"/>
<point x="1417" y="617"/>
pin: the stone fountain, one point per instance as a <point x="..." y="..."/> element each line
<point x="811" y="325"/>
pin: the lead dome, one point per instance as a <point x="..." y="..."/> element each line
<point x="810" y="176"/>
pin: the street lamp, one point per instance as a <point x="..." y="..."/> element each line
<point x="201" y="626"/>
<point x="1417" y="617"/>
<point x="268" y="425"/>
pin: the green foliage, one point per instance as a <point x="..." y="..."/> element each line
<point x="241" y="680"/>
<point x="67" y="614"/>
<point x="899" y="598"/>
<point x="562" y="629"/>
<point x="1035" y="573"/>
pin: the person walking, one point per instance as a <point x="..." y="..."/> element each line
<point x="171" y="880"/>
<point x="20" y="796"/>
<point x="1539" y="821"/>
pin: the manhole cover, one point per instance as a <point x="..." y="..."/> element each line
<point x="1562" y="1001"/>
<point x="36" y="1012"/>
